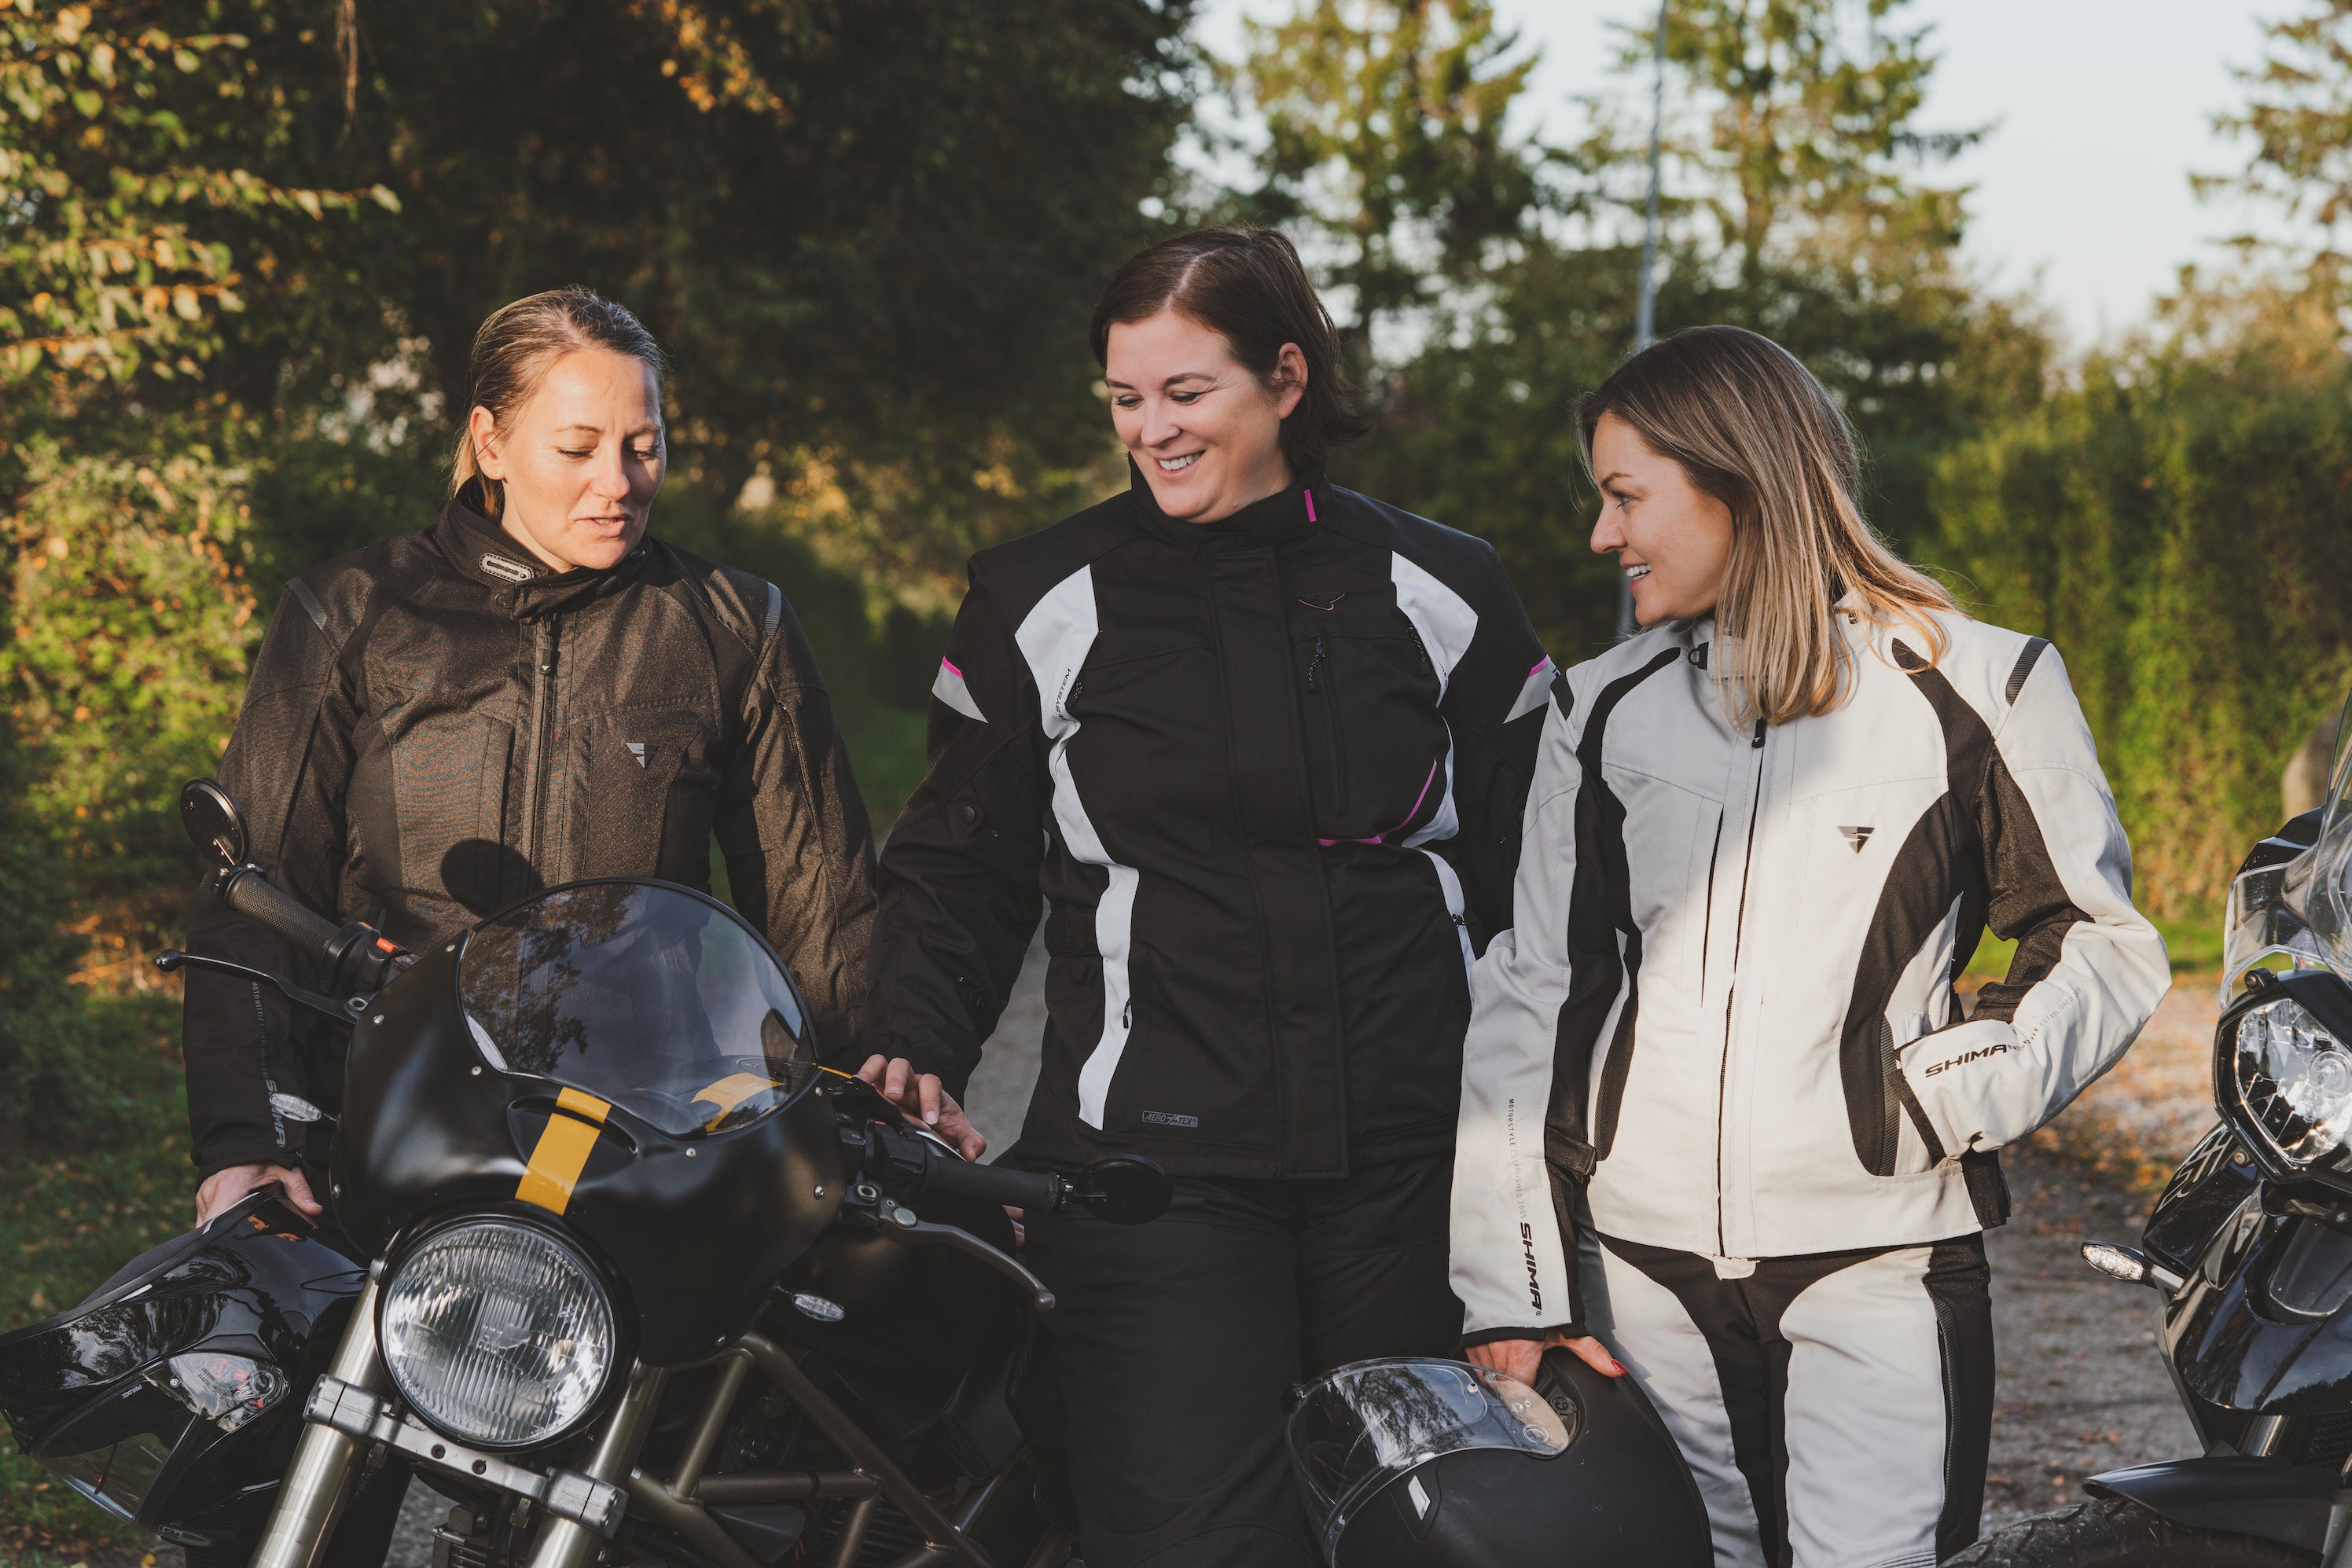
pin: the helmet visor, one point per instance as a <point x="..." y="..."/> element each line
<point x="1367" y="1422"/>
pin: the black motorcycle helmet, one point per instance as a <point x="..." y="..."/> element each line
<point x="131" y="1397"/>
<point x="1419" y="1463"/>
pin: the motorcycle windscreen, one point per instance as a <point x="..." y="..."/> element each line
<point x="2327" y="894"/>
<point x="1364" y="1425"/>
<point x="650" y="997"/>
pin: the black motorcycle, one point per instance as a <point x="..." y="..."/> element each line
<point x="2250" y="1249"/>
<point x="618" y="1268"/>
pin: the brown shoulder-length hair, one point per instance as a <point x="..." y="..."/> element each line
<point x="1246" y="286"/>
<point x="513" y="350"/>
<point x="1751" y="427"/>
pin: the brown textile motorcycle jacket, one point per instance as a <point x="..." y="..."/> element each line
<point x="438" y="726"/>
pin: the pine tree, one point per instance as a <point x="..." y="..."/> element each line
<point x="2299" y="118"/>
<point x="1385" y="121"/>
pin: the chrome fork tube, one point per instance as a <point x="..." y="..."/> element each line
<point x="566" y="1543"/>
<point x="316" y="1482"/>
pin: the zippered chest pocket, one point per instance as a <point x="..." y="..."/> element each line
<point x="643" y="797"/>
<point x="1374" y="740"/>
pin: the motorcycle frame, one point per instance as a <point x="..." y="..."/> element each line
<point x="326" y="1459"/>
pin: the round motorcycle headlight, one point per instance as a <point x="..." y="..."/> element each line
<point x="496" y="1334"/>
<point x="2294" y="1080"/>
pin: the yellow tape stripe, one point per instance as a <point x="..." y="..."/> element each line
<point x="730" y="1092"/>
<point x="562" y="1152"/>
<point x="580" y="1105"/>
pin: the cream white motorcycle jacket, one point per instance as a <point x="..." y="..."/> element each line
<point x="1725" y="1020"/>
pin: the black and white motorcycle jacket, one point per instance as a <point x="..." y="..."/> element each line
<point x="1267" y="776"/>
<point x="1725" y="1017"/>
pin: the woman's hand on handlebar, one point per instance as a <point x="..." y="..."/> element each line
<point x="1519" y="1358"/>
<point x="224" y="1187"/>
<point x="922" y="1098"/>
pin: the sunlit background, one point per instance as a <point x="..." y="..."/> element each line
<point x="2096" y="112"/>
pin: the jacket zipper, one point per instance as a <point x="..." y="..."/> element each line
<point x="542" y="720"/>
<point x="1731" y="989"/>
<point x="1329" y="687"/>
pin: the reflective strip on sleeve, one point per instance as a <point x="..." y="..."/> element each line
<point x="950" y="689"/>
<point x="1535" y="691"/>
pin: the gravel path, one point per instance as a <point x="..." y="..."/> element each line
<point x="2079" y="1388"/>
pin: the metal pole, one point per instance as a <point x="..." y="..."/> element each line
<point x="1645" y="320"/>
<point x="1645" y="315"/>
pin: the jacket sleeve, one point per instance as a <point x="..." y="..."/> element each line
<point x="288" y="765"/>
<point x="1495" y="705"/>
<point x="2089" y="969"/>
<point x="799" y="847"/>
<point x="959" y="892"/>
<point x="1514" y="1246"/>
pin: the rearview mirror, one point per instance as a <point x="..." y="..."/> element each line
<point x="1126" y="1189"/>
<point x="212" y="822"/>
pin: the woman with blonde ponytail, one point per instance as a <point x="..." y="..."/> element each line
<point x="1725" y="1125"/>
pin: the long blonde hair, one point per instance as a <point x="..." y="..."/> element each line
<point x="1751" y="427"/>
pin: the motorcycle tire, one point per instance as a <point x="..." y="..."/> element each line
<point x="2114" y="1532"/>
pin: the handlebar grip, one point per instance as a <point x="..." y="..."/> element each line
<point x="252" y="895"/>
<point x="995" y="1184"/>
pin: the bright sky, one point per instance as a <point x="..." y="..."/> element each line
<point x="2103" y="107"/>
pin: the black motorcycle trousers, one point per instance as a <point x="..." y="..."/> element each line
<point x="1175" y="1343"/>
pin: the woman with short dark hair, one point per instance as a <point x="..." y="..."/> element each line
<point x="1257" y="746"/>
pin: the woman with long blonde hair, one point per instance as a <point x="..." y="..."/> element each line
<point x="1725" y="1125"/>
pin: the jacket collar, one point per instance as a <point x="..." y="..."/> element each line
<point x="484" y="553"/>
<point x="1288" y="513"/>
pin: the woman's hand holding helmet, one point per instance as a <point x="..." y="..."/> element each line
<point x="921" y="1097"/>
<point x="1521" y="1358"/>
<point x="225" y="1188"/>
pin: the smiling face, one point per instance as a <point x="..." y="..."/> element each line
<point x="580" y="461"/>
<point x="1206" y="431"/>
<point x="1672" y="539"/>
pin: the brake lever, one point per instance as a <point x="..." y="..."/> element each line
<point x="350" y="1008"/>
<point x="896" y="1221"/>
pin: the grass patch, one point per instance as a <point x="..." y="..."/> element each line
<point x="2195" y="946"/>
<point x="886" y="749"/>
<point x="68" y="1221"/>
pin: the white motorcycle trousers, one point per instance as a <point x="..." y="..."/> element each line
<point x="1835" y="1409"/>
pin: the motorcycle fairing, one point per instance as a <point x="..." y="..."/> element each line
<point x="698" y="1226"/>
<point x="2232" y="1493"/>
<point x="2203" y="1195"/>
<point x="2232" y="1341"/>
<point x="903" y="1369"/>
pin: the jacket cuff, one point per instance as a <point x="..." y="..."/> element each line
<point x="247" y="1149"/>
<point x="1493" y="1336"/>
<point x="1965" y="1083"/>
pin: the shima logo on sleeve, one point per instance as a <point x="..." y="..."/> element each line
<point x="1978" y="1054"/>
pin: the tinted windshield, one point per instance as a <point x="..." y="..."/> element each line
<point x="662" y="1002"/>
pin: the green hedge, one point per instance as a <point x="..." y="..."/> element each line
<point x="2179" y="525"/>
